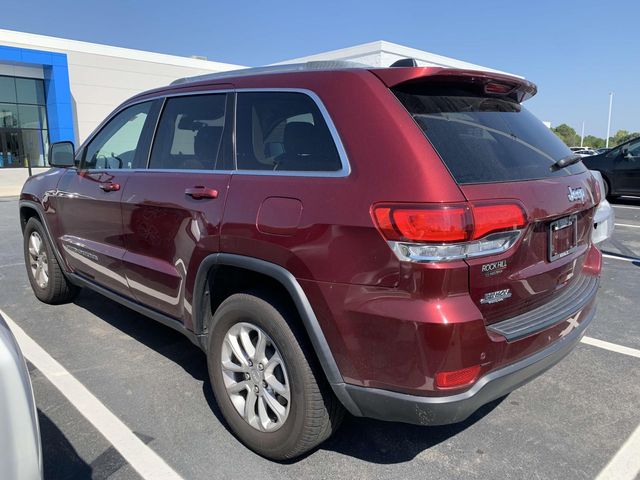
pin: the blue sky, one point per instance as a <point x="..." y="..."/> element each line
<point x="575" y="51"/>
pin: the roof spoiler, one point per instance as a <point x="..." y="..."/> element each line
<point x="494" y="84"/>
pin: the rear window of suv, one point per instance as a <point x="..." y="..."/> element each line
<point x="484" y="139"/>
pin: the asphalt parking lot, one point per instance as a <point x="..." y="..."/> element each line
<point x="568" y="423"/>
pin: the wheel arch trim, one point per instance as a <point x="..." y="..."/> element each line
<point x="301" y="302"/>
<point x="43" y="220"/>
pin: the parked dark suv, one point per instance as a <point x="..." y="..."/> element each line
<point x="620" y="168"/>
<point x="405" y="244"/>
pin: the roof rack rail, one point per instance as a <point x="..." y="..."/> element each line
<point x="291" y="67"/>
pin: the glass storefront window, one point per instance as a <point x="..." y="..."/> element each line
<point x="8" y="115"/>
<point x="24" y="136"/>
<point x="7" y="90"/>
<point x="33" y="147"/>
<point x="30" y="90"/>
<point x="32" y="116"/>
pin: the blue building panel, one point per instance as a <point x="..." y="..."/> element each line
<point x="56" y="84"/>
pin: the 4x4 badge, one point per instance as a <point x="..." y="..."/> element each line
<point x="497" y="296"/>
<point x="576" y="194"/>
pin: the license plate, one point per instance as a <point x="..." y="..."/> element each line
<point x="563" y="237"/>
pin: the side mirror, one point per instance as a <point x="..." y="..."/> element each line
<point x="62" y="155"/>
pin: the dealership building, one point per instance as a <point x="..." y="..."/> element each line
<point x="54" y="89"/>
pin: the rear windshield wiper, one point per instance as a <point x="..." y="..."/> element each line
<point x="566" y="161"/>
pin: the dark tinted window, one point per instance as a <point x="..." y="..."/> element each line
<point x="116" y="145"/>
<point x="283" y="131"/>
<point x="190" y="132"/>
<point x="484" y="139"/>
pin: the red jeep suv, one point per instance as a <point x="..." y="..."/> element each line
<point x="403" y="243"/>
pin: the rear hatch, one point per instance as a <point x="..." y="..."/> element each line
<point x="497" y="151"/>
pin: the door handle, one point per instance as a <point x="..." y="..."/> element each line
<point x="110" y="187"/>
<point x="199" y="192"/>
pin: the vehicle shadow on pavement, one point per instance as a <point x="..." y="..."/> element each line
<point x="389" y="442"/>
<point x="60" y="460"/>
<point x="369" y="440"/>
<point x="160" y="338"/>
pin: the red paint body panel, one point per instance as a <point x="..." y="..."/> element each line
<point x="90" y="226"/>
<point x="167" y="234"/>
<point x="390" y="324"/>
<point x="532" y="278"/>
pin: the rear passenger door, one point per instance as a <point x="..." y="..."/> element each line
<point x="172" y="211"/>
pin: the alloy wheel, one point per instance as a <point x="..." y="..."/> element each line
<point x="255" y="377"/>
<point x="38" y="260"/>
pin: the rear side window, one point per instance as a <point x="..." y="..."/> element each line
<point x="283" y="131"/>
<point x="484" y="140"/>
<point x="189" y="134"/>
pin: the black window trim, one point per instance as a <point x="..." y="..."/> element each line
<point x="344" y="171"/>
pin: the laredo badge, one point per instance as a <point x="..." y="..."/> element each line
<point x="497" y="296"/>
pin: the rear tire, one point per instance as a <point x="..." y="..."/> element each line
<point x="607" y="191"/>
<point x="309" y="415"/>
<point x="45" y="275"/>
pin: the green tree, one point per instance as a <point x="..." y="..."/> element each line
<point x="622" y="136"/>
<point x="593" y="141"/>
<point x="567" y="134"/>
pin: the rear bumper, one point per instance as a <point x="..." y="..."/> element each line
<point x="399" y="407"/>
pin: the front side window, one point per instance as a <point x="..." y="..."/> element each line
<point x="633" y="149"/>
<point x="116" y="145"/>
<point x="190" y="133"/>
<point x="283" y="131"/>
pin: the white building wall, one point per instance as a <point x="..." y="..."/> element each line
<point x="101" y="77"/>
<point x="383" y="54"/>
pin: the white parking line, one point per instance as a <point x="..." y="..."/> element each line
<point x="142" y="458"/>
<point x="624" y="259"/>
<point x="625" y="465"/>
<point x="630" y="207"/>
<point x="11" y="265"/>
<point x="614" y="347"/>
<point x="626" y="225"/>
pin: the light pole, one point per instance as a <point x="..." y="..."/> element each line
<point x="609" y="121"/>
<point x="582" y="135"/>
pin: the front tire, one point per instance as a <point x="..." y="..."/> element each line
<point x="266" y="381"/>
<point x="45" y="275"/>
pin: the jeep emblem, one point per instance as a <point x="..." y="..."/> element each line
<point x="576" y="194"/>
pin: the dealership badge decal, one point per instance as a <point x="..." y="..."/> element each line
<point x="497" y="296"/>
<point x="494" y="268"/>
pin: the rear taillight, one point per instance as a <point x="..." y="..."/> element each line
<point x="447" y="223"/>
<point x="495" y="218"/>
<point x="457" y="378"/>
<point x="444" y="232"/>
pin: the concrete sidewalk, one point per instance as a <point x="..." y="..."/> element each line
<point x="12" y="179"/>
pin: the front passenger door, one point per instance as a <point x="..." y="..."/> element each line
<point x="88" y="198"/>
<point x="627" y="168"/>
